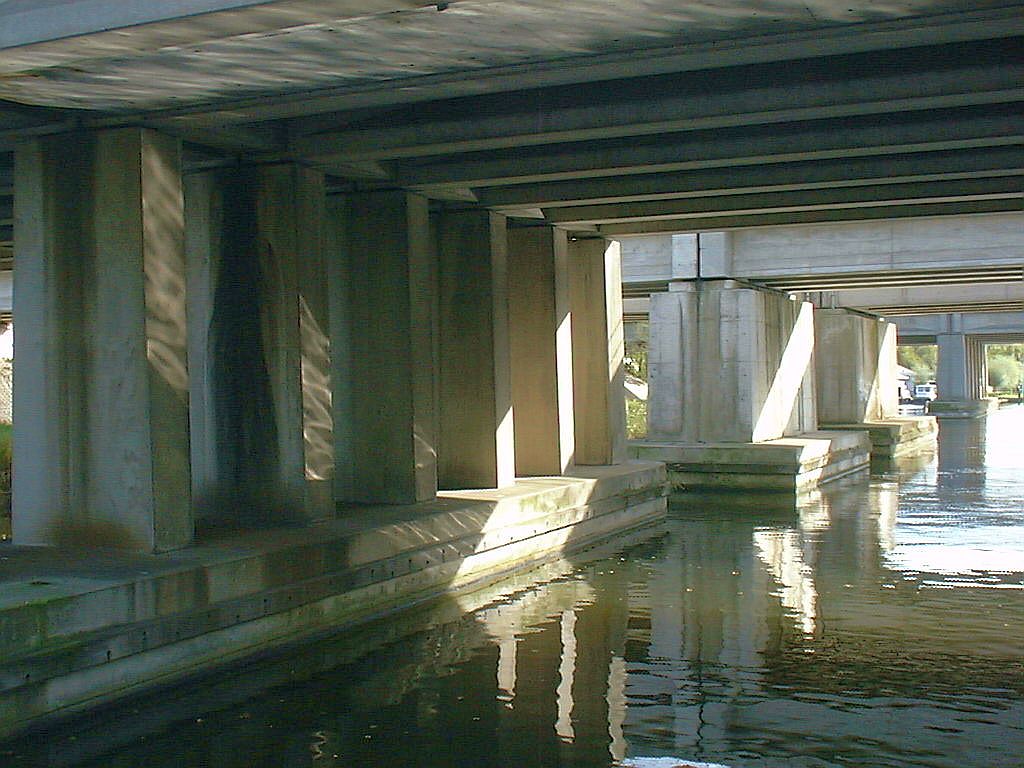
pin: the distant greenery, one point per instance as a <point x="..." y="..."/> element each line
<point x="1005" y="367"/>
<point x="1005" y="364"/>
<point x="636" y="349"/>
<point x="920" y="358"/>
<point x="636" y="365"/>
<point x="636" y="419"/>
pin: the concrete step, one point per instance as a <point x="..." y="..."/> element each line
<point x="78" y="628"/>
<point x="785" y="464"/>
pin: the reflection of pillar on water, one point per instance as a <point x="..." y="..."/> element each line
<point x="962" y="453"/>
<point x="507" y="669"/>
<point x="599" y="635"/>
<point x="782" y="552"/>
<point x="566" y="669"/>
<point x="712" y="621"/>
<point x="617" y="678"/>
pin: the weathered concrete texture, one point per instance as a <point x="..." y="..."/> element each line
<point x="476" y="448"/>
<point x="598" y="346"/>
<point x="897" y="437"/>
<point x="794" y="464"/>
<point x="81" y="628"/>
<point x="541" y="350"/>
<point x="963" y="409"/>
<point x="855" y="365"/>
<point x="729" y="364"/>
<point x="385" y="405"/>
<point x="261" y="414"/>
<point x="101" y="419"/>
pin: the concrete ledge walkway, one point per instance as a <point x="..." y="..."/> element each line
<point x="785" y="464"/>
<point x="896" y="437"/>
<point x="963" y="409"/>
<point x="79" y="628"/>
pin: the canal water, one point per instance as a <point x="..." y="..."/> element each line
<point x="877" y="623"/>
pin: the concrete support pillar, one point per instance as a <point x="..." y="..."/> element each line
<point x="261" y="416"/>
<point x="541" y="350"/>
<point x="101" y="389"/>
<point x="855" y="366"/>
<point x="598" y="373"/>
<point x="386" y="393"/>
<point x="729" y="364"/>
<point x="477" y="448"/>
<point x="962" y="375"/>
<point x="954" y="382"/>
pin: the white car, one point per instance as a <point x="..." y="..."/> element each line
<point x="926" y="392"/>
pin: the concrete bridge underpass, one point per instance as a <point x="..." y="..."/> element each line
<point x="354" y="268"/>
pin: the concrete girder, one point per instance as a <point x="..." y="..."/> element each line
<point x="723" y="98"/>
<point x="930" y="299"/>
<point x="698" y="207"/>
<point x="758" y="220"/>
<point x="761" y="39"/>
<point x="778" y="177"/>
<point x="964" y="129"/>
<point x="987" y="324"/>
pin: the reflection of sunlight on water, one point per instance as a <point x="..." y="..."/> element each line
<point x="781" y="552"/>
<point x="887" y="503"/>
<point x="978" y="550"/>
<point x="665" y="762"/>
<point x="973" y="531"/>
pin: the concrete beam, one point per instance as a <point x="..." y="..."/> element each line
<point x="969" y="323"/>
<point x="762" y="221"/>
<point x="778" y="177"/>
<point x="780" y="94"/>
<point x="855" y="137"/>
<point x="914" y="300"/>
<point x="896" y="252"/>
<point x="832" y="199"/>
<point x="592" y="68"/>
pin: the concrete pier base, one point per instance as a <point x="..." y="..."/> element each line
<point x="896" y="437"/>
<point x="963" y="409"/>
<point x="81" y="628"/>
<point x="785" y="464"/>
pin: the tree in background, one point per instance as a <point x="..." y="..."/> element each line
<point x="922" y="359"/>
<point x="1005" y="366"/>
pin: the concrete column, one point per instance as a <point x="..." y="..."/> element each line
<point x="541" y="350"/>
<point x="387" y="394"/>
<point x="855" y="366"/>
<point x="101" y="388"/>
<point x="477" y="448"/>
<point x="729" y="364"/>
<point x="261" y="417"/>
<point x="598" y="373"/>
<point x="203" y="230"/>
<point x="952" y="369"/>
